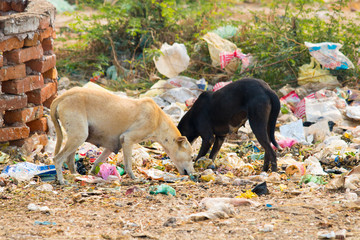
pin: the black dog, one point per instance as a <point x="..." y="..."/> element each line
<point x="215" y="114"/>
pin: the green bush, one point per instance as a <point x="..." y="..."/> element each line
<point x="129" y="33"/>
<point x="278" y="45"/>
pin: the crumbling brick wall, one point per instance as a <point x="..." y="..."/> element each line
<point x="28" y="76"/>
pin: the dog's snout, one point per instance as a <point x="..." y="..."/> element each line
<point x="185" y="172"/>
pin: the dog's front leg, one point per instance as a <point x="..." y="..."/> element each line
<point x="205" y="146"/>
<point x="103" y="156"/>
<point x="219" y="140"/>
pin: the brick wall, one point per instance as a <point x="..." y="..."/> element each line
<point x="28" y="76"/>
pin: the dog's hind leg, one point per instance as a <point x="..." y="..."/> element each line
<point x="69" y="148"/>
<point x="77" y="133"/>
<point x="103" y="156"/>
<point x="258" y="123"/>
<point x="71" y="162"/>
<point x="219" y="140"/>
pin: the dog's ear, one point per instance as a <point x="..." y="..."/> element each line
<point x="182" y="140"/>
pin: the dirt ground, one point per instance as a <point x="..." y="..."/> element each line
<point x="109" y="212"/>
<point x="126" y="210"/>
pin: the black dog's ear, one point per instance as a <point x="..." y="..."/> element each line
<point x="182" y="140"/>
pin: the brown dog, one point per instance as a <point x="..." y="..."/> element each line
<point x="113" y="122"/>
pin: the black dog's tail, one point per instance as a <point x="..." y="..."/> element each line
<point x="275" y="109"/>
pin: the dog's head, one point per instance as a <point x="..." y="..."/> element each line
<point x="182" y="156"/>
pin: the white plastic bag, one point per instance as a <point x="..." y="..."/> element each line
<point x="322" y="108"/>
<point x="173" y="61"/>
<point x="294" y="130"/>
<point x="353" y="112"/>
<point x="328" y="54"/>
<point x="180" y="94"/>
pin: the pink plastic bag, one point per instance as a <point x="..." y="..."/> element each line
<point x="106" y="170"/>
<point x="288" y="142"/>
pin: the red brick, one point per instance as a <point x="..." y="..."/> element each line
<point x="27" y="84"/>
<point x="38" y="125"/>
<point x="5" y="6"/>
<point x="42" y="65"/>
<point x="18" y="6"/>
<point x="29" y="144"/>
<point x="48" y="102"/>
<point x="12" y="72"/>
<point x="10" y="44"/>
<point x="24" y="115"/>
<point x="52" y="74"/>
<point x="48" y="44"/>
<point x="24" y="54"/>
<point x="14" y="133"/>
<point x="48" y="32"/>
<point x="12" y="102"/>
<point x="32" y="42"/>
<point x="41" y="95"/>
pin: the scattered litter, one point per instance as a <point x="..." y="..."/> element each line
<point x="157" y="174"/>
<point x="267" y="228"/>
<point x="261" y="189"/>
<point x="45" y="188"/>
<point x="106" y="169"/>
<point x="24" y="171"/>
<point x="163" y="188"/>
<point x="44" y="223"/>
<point x="34" y="207"/>
<point x="328" y="54"/>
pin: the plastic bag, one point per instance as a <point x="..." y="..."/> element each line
<point x="328" y="54"/>
<point x="181" y="81"/>
<point x="158" y="88"/>
<point x="314" y="166"/>
<point x="217" y="45"/>
<point x="106" y="170"/>
<point x="173" y="61"/>
<point x="220" y="85"/>
<point x="309" y="73"/>
<point x="294" y="130"/>
<point x="322" y="108"/>
<point x="174" y="111"/>
<point x="353" y="112"/>
<point x="227" y="31"/>
<point x="178" y="95"/>
<point x="22" y="171"/>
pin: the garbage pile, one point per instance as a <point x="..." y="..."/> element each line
<point x="318" y="131"/>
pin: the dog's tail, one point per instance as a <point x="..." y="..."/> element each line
<point x="55" y="119"/>
<point x="275" y="109"/>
